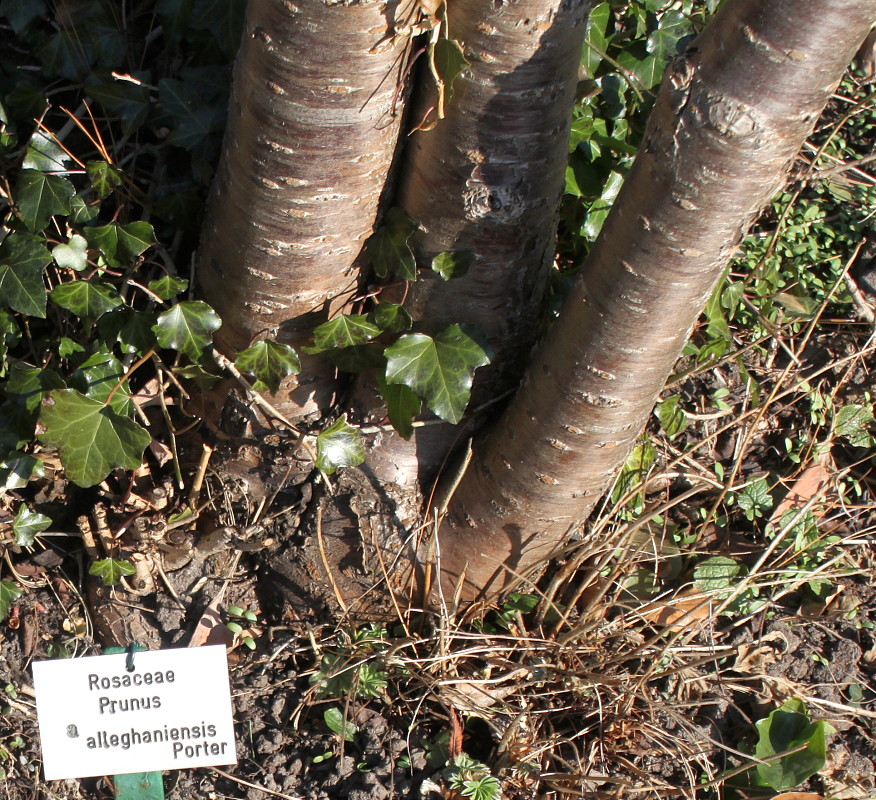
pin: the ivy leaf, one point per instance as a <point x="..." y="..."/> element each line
<point x="453" y="264"/>
<point x="86" y="299"/>
<point x="39" y="196"/>
<point x="128" y="101"/>
<point x="105" y="178"/>
<point x="27" y="385"/>
<point x="72" y="255"/>
<point x="9" y="593"/>
<point x="402" y="405"/>
<point x="17" y="469"/>
<point x="596" y="39"/>
<point x="345" y="330"/>
<point x="81" y="211"/>
<point x="132" y="329"/>
<point x="22" y="259"/>
<point x="391" y="318"/>
<point x="192" y="118"/>
<point x="672" y="26"/>
<point x="44" y="153"/>
<point x="269" y="362"/>
<point x="672" y="418"/>
<point x="388" y="249"/>
<point x="168" y="286"/>
<point x="439" y="370"/>
<point x="27" y="524"/>
<point x="187" y="327"/>
<point x="92" y="438"/>
<point x="339" y="445"/>
<point x="20" y="13"/>
<point x="449" y="61"/>
<point x="111" y="570"/>
<point x="121" y="242"/>
<point x="355" y="359"/>
<point x="98" y="375"/>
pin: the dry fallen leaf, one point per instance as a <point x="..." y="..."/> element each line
<point x="812" y="482"/>
<point x="681" y="612"/>
<point x="753" y="657"/>
<point x="797" y="796"/>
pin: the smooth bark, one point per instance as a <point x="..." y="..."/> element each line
<point x="733" y="111"/>
<point x="312" y="128"/>
<point x="488" y="179"/>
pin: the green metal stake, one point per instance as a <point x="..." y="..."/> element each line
<point x="136" y="785"/>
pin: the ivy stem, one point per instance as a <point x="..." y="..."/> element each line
<point x="137" y="364"/>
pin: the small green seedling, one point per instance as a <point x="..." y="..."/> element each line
<point x="241" y="635"/>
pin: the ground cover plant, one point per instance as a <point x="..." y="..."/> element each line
<point x="708" y="634"/>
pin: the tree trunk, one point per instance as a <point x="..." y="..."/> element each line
<point x="312" y="128"/>
<point x="488" y="179"/>
<point x="733" y="111"/>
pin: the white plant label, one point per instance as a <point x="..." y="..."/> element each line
<point x="173" y="711"/>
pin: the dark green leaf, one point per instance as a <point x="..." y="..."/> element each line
<point x="439" y="370"/>
<point x="648" y="69"/>
<point x="453" y="264"/>
<point x="128" y="101"/>
<point x="111" y="570"/>
<point x="91" y="437"/>
<point x="224" y="19"/>
<point x="339" y="445"/>
<point x="9" y="593"/>
<point x="22" y="259"/>
<point x="132" y="329"/>
<point x="388" y="249"/>
<point x="355" y="359"/>
<point x="121" y="242"/>
<point x="450" y="61"/>
<point x="784" y="729"/>
<point x="672" y="26"/>
<point x="391" y="318"/>
<point x="20" y="14"/>
<point x="66" y="53"/>
<point x="345" y="330"/>
<point x="72" y="255"/>
<point x="27" y="524"/>
<point x="269" y="362"/>
<point x="596" y="39"/>
<point x="402" y="405"/>
<point x="27" y="386"/>
<point x="97" y="377"/>
<point x="337" y="723"/>
<point x="17" y="469"/>
<point x="45" y="154"/>
<point x="39" y="196"/>
<point x="86" y="299"/>
<point x="8" y="335"/>
<point x="191" y="117"/>
<point x="168" y="286"/>
<point x="187" y="327"/>
<point x="81" y="211"/>
<point x="105" y="178"/>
